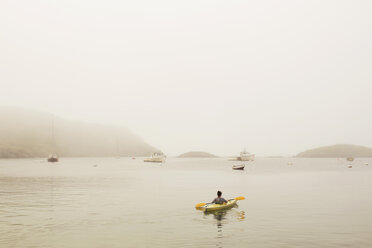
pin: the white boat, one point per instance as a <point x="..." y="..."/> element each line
<point x="246" y="156"/>
<point x="53" y="157"/>
<point x="238" y="166"/>
<point x="156" y="157"/>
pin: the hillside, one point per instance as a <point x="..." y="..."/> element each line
<point x="340" y="150"/>
<point x="28" y="133"/>
<point x="197" y="155"/>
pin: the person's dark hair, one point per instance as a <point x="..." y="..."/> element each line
<point x="219" y="193"/>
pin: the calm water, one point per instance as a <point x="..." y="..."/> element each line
<point x="129" y="203"/>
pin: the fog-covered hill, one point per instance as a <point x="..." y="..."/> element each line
<point x="340" y="150"/>
<point x="28" y="133"/>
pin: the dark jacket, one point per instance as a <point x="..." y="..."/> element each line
<point x="219" y="200"/>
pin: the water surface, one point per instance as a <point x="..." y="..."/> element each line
<point x="109" y="202"/>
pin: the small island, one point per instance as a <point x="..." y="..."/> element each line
<point x="195" y="154"/>
<point x="337" y="151"/>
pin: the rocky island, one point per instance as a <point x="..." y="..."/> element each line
<point x="337" y="151"/>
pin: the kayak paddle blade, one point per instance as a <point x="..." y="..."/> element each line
<point x="239" y="198"/>
<point x="199" y="205"/>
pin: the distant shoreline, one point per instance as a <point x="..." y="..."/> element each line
<point x="337" y="151"/>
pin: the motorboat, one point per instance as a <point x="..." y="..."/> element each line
<point x="156" y="157"/>
<point x="246" y="156"/>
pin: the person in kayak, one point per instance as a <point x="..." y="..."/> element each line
<point x="219" y="199"/>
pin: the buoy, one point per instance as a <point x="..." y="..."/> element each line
<point x="350" y="166"/>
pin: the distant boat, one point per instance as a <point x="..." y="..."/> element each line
<point x="156" y="157"/>
<point x="246" y="156"/>
<point x="350" y="159"/>
<point x="350" y="166"/>
<point x="238" y="167"/>
<point x="53" y="157"/>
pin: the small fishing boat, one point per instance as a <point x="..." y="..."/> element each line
<point x="238" y="167"/>
<point x="53" y="157"/>
<point x="350" y="159"/>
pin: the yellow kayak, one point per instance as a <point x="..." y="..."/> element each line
<point x="213" y="207"/>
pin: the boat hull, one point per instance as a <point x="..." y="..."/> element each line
<point x="238" y="168"/>
<point x="153" y="161"/>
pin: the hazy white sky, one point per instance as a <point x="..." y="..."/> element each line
<point x="276" y="77"/>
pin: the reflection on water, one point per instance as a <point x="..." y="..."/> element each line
<point x="241" y="215"/>
<point x="219" y="216"/>
<point x="225" y="217"/>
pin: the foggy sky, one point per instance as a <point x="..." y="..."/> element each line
<point x="276" y="77"/>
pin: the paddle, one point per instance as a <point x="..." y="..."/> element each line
<point x="239" y="198"/>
